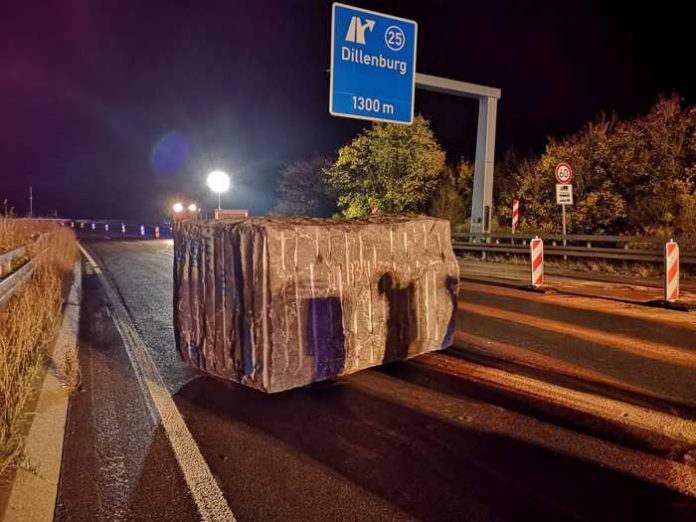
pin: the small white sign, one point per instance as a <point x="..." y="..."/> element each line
<point x="564" y="194"/>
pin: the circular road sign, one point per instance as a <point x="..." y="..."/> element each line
<point x="564" y="173"/>
<point x="395" y="38"/>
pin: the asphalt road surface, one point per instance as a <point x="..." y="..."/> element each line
<point x="404" y="442"/>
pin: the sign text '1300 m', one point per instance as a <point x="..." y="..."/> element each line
<point x="372" y="105"/>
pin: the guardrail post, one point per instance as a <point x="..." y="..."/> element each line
<point x="671" y="285"/>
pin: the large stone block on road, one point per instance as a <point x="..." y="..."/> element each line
<point x="279" y="303"/>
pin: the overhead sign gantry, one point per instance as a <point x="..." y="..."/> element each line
<point x="373" y="77"/>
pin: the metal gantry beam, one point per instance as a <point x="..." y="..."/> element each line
<point x="482" y="198"/>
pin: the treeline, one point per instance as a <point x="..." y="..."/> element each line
<point x="387" y="169"/>
<point x="630" y="177"/>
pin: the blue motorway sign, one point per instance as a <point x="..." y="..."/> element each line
<point x="373" y="65"/>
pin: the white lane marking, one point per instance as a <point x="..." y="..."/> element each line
<point x="140" y="377"/>
<point x="92" y="263"/>
<point x="204" y="490"/>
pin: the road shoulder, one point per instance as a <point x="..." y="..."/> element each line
<point x="117" y="464"/>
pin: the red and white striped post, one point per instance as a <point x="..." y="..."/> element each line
<point x="671" y="271"/>
<point x="157" y="232"/>
<point x="142" y="230"/>
<point x="123" y="228"/>
<point x="515" y="214"/>
<point x="536" y="249"/>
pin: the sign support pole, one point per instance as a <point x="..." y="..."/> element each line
<point x="482" y="200"/>
<point x="565" y="257"/>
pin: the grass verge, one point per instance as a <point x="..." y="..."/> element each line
<point x="28" y="324"/>
<point x="15" y="233"/>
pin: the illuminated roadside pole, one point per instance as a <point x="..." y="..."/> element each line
<point x="219" y="182"/>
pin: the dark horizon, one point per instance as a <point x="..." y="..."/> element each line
<point x="112" y="111"/>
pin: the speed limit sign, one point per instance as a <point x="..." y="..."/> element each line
<point x="564" y="173"/>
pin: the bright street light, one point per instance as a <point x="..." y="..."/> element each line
<point x="178" y="207"/>
<point x="218" y="181"/>
<point x="192" y="207"/>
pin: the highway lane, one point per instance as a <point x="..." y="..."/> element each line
<point x="651" y="351"/>
<point x="398" y="443"/>
<point x="592" y="283"/>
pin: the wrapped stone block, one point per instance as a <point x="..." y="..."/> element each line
<point x="279" y="303"/>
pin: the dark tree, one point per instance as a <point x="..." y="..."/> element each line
<point x="302" y="190"/>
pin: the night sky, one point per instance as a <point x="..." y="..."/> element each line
<point x="114" y="109"/>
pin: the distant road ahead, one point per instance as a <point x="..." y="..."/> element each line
<point x="405" y="442"/>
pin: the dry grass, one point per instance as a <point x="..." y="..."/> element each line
<point x="15" y="233"/>
<point x="27" y="325"/>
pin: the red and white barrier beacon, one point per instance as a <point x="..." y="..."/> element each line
<point x="515" y="214"/>
<point x="536" y="250"/>
<point x="671" y="271"/>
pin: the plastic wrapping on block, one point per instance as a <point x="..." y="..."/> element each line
<point x="279" y="303"/>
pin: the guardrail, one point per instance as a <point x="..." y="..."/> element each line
<point x="7" y="259"/>
<point x="621" y="248"/>
<point x="9" y="284"/>
<point x="114" y="229"/>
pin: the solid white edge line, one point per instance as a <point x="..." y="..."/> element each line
<point x="89" y="258"/>
<point x="201" y="483"/>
